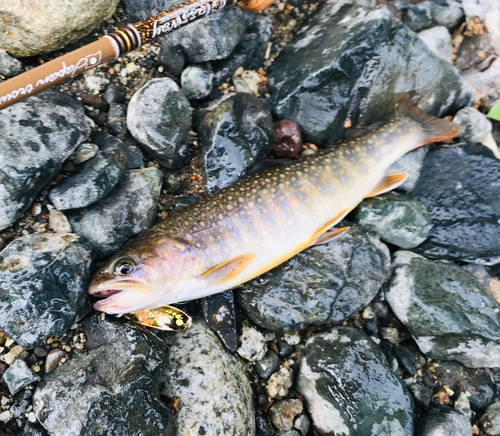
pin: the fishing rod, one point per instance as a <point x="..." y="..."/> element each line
<point x="112" y="46"/>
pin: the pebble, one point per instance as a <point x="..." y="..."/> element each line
<point x="490" y="421"/>
<point x="438" y="40"/>
<point x="474" y="126"/>
<point x="302" y="424"/>
<point x="117" y="119"/>
<point x="267" y="365"/>
<point x="15" y="352"/>
<point x="247" y="82"/>
<point x="447" y="421"/>
<point x="279" y="383"/>
<point x="287" y="141"/>
<point x="9" y="66"/>
<point x="253" y="345"/>
<point x="53" y="359"/>
<point x="113" y="95"/>
<point x="95" y="84"/>
<point x="196" y="82"/>
<point x="284" y="412"/>
<point x="219" y="312"/>
<point x="94" y="101"/>
<point x="18" y="376"/>
<point x="171" y="58"/>
<point x="84" y="152"/>
<point x="58" y="222"/>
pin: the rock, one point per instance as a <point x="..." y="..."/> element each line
<point x="95" y="84"/>
<point x="302" y="424"/>
<point x="279" y="383"/>
<point x="18" y="376"/>
<point x="438" y="40"/>
<point x="462" y="405"/>
<point x="127" y="211"/>
<point x="95" y="101"/>
<point x="398" y="219"/>
<point x="216" y="397"/>
<point x="9" y="66"/>
<point x="37" y="136"/>
<point x="474" y="126"/>
<point x="287" y="140"/>
<point x="113" y="95"/>
<point x="15" y="352"/>
<point x="58" y="222"/>
<point x="94" y="179"/>
<point x="323" y="284"/>
<point x="23" y="35"/>
<point x="159" y="118"/>
<point x="248" y="81"/>
<point x="266" y="366"/>
<point x="234" y="132"/>
<point x="460" y="187"/>
<point x="253" y="344"/>
<point x="285" y="349"/>
<point x="249" y="53"/>
<point x="418" y="16"/>
<point x="53" y="359"/>
<point x="196" y="82"/>
<point x="336" y="79"/>
<point x="443" y="423"/>
<point x="83" y="153"/>
<point x="411" y="164"/>
<point x="421" y="395"/>
<point x="348" y="387"/>
<point x="448" y="312"/>
<point x="117" y="119"/>
<point x="490" y="421"/>
<point x="33" y="429"/>
<point x="171" y="58"/>
<point x="43" y="284"/>
<point x="220" y="314"/>
<point x="283" y="413"/>
<point x="488" y="13"/>
<point x="87" y="396"/>
<point x="214" y="37"/>
<point x="429" y="13"/>
<point x="448" y="13"/>
<point x="135" y="158"/>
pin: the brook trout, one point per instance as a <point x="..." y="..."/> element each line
<point x="262" y="220"/>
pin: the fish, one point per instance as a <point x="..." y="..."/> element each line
<point x="262" y="220"/>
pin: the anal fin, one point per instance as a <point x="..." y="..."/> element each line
<point x="230" y="269"/>
<point x="329" y="236"/>
<point x="388" y="183"/>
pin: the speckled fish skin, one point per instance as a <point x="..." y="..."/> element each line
<point x="260" y="221"/>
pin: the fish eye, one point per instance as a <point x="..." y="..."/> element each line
<point x="124" y="267"/>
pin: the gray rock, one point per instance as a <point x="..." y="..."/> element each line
<point x="112" y="389"/>
<point x="33" y="429"/>
<point x="213" y="37"/>
<point x="448" y="13"/>
<point x="336" y="78"/>
<point x="117" y="119"/>
<point x="234" y="132"/>
<point x="411" y="164"/>
<point x="323" y="284"/>
<point x="490" y="421"/>
<point x="438" y="39"/>
<point x="159" y="118"/>
<point x="113" y="95"/>
<point x="447" y="422"/>
<point x="127" y="211"/>
<point x="253" y="343"/>
<point x="216" y="397"/>
<point x="18" y="376"/>
<point x="474" y="126"/>
<point x="418" y="16"/>
<point x="266" y="366"/>
<point x="9" y="66"/>
<point x="430" y="13"/>
<point x="448" y="312"/>
<point x="348" y="387"/>
<point x="171" y="58"/>
<point x="302" y="424"/>
<point x="135" y="158"/>
<point x="43" y="280"/>
<point x="196" y="82"/>
<point x="220" y="314"/>
<point x="59" y="222"/>
<point x="283" y="413"/>
<point x="460" y="187"/>
<point x="36" y="137"/>
<point x="479" y="272"/>
<point x="398" y="219"/>
<point x="94" y="179"/>
<point x="83" y="153"/>
<point x="63" y="23"/>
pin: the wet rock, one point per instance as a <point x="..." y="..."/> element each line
<point x="196" y="82"/>
<point x="94" y="179"/>
<point x="460" y="187"/>
<point x="490" y="421"/>
<point x="58" y="222"/>
<point x="438" y="40"/>
<point x="279" y="383"/>
<point x="18" y="376"/>
<point x="411" y="164"/>
<point x="127" y="211"/>
<point x="474" y="126"/>
<point x="398" y="219"/>
<point x="53" y="359"/>
<point x="266" y="366"/>
<point x="214" y="37"/>
<point x="43" y="280"/>
<point x="135" y="158"/>
<point x="22" y="34"/>
<point x="159" y="118"/>
<point x="32" y="429"/>
<point x="348" y="387"/>
<point x="117" y="119"/>
<point x="443" y="422"/>
<point x="234" y="132"/>
<point x="448" y="312"/>
<point x="220" y="314"/>
<point x="337" y="79"/>
<point x="284" y="412"/>
<point x="421" y="395"/>
<point x="85" y="397"/>
<point x="113" y="95"/>
<point x="9" y="66"/>
<point x="323" y="284"/>
<point x="216" y="397"/>
<point x="287" y="140"/>
<point x="285" y="349"/>
<point x="253" y="343"/>
<point x="83" y="153"/>
<point x="249" y="53"/>
<point x="426" y="14"/>
<point x="37" y="136"/>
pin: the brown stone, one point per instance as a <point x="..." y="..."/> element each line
<point x="287" y="140"/>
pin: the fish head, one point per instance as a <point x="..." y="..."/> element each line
<point x="148" y="273"/>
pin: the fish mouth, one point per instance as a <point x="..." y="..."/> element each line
<point x="111" y="294"/>
<point x="106" y="292"/>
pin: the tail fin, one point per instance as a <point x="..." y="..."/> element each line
<point x="434" y="129"/>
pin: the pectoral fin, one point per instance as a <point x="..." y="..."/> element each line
<point x="388" y="183"/>
<point x="228" y="270"/>
<point x="329" y="236"/>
